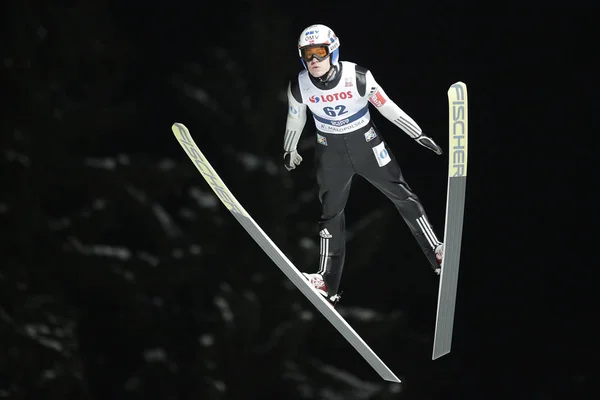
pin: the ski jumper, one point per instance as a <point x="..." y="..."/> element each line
<point x="348" y="144"/>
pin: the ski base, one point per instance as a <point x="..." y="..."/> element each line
<point x="455" y="205"/>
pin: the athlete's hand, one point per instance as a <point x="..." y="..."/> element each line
<point x="428" y="142"/>
<point x="291" y="159"/>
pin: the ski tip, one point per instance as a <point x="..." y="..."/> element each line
<point x="458" y="83"/>
<point x="180" y="129"/>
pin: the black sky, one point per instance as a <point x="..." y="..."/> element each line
<point x="525" y="306"/>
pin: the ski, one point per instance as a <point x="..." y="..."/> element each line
<point x="455" y="206"/>
<point x="293" y="274"/>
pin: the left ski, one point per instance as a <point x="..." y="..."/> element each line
<point x="455" y="210"/>
<point x="241" y="215"/>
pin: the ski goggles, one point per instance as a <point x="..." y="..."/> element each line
<point x="318" y="52"/>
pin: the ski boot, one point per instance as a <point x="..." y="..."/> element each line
<point x="317" y="281"/>
<point x="439" y="256"/>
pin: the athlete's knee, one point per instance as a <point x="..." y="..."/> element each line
<point x="332" y="216"/>
<point x="408" y="201"/>
<point x="406" y="192"/>
<point x="413" y="198"/>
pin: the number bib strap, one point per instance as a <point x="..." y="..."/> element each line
<point x="344" y="121"/>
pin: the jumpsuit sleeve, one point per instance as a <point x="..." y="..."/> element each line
<point x="389" y="109"/>
<point x="296" y="118"/>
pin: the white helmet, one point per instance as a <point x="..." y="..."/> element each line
<point x="318" y="37"/>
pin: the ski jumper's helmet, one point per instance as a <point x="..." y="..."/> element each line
<point x="320" y="42"/>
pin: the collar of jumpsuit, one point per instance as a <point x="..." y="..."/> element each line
<point x="329" y="79"/>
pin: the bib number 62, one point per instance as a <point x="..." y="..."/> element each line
<point x="335" y="111"/>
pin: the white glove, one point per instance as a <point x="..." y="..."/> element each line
<point x="291" y="159"/>
<point x="428" y="142"/>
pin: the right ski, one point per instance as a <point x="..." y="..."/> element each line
<point x="455" y="208"/>
<point x="207" y="171"/>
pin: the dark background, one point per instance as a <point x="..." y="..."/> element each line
<point x="123" y="277"/>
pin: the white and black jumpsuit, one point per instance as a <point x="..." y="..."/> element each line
<point x="348" y="143"/>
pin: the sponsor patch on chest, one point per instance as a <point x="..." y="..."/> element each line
<point x="321" y="140"/>
<point x="370" y="135"/>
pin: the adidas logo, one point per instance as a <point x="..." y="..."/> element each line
<point x="325" y="234"/>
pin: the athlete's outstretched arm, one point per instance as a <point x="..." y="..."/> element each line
<point x="296" y="119"/>
<point x="396" y="115"/>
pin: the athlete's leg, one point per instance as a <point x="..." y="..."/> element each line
<point x="334" y="178"/>
<point x="386" y="176"/>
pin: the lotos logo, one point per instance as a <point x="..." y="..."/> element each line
<point x="326" y="98"/>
